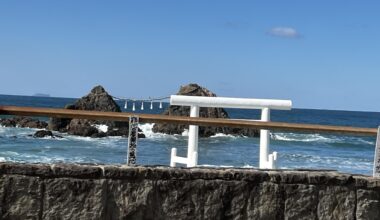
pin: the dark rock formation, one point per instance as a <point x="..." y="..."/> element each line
<point x="196" y="90"/>
<point x="23" y="122"/>
<point x="60" y="124"/>
<point x="97" y="100"/>
<point x="66" y="191"/>
<point x="45" y="133"/>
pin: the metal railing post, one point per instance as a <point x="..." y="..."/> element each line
<point x="192" y="149"/>
<point x="264" y="140"/>
<point x="376" y="163"/>
<point x="172" y="157"/>
<point x="132" y="140"/>
<point x="267" y="161"/>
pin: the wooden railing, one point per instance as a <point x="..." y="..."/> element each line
<point x="214" y="122"/>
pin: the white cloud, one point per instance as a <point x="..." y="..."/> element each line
<point x="286" y="32"/>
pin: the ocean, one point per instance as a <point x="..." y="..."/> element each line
<point x="350" y="154"/>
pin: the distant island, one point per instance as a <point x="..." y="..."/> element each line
<point x="41" y="95"/>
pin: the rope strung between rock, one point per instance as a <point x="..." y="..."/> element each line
<point x="151" y="100"/>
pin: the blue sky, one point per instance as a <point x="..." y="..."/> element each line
<point x="320" y="54"/>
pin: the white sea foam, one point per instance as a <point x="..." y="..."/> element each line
<point x="148" y="131"/>
<point x="16" y="131"/>
<point x="185" y="133"/>
<point x="68" y="137"/>
<point x="318" y="138"/>
<point x="365" y="141"/>
<point x="334" y="162"/>
<point x="215" y="166"/>
<point x="10" y="153"/>
<point x="1" y="129"/>
<point x="300" y="137"/>
<point x="218" y="135"/>
<point x="247" y="166"/>
<point x="101" y="128"/>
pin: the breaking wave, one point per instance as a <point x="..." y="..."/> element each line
<point x="331" y="139"/>
<point x="147" y="129"/>
<point x="221" y="135"/>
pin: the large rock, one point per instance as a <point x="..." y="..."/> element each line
<point x="196" y="90"/>
<point x="60" y="124"/>
<point x="97" y="100"/>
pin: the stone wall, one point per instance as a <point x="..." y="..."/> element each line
<point x="64" y="191"/>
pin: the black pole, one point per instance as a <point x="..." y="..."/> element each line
<point x="132" y="140"/>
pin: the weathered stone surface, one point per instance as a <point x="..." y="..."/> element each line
<point x="268" y="201"/>
<point x="202" y="199"/>
<point x="171" y="192"/>
<point x="196" y="90"/>
<point x="226" y="199"/>
<point x="301" y="202"/>
<point x="365" y="182"/>
<point x="22" y="197"/>
<point x="69" y="191"/>
<point x="336" y="202"/>
<point x="128" y="199"/>
<point x="23" y="169"/>
<point x="328" y="178"/>
<point x="66" y="198"/>
<point x="2" y="190"/>
<point x="368" y="204"/>
<point x="76" y="171"/>
<point x="288" y="177"/>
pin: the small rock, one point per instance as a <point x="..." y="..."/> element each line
<point x="141" y="135"/>
<point x="43" y="133"/>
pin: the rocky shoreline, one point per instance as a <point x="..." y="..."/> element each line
<point x="99" y="100"/>
<point x="23" y="122"/>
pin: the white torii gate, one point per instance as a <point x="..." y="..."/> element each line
<point x="267" y="161"/>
